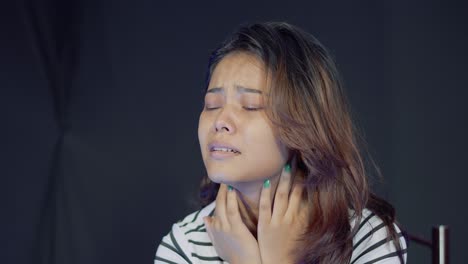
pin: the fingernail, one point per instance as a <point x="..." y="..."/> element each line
<point x="287" y="168"/>
<point x="230" y="188"/>
<point x="266" y="184"/>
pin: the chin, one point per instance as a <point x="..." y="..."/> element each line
<point x="232" y="179"/>
<point x="224" y="177"/>
<point x="220" y="178"/>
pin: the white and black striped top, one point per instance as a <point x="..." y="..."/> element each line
<point x="188" y="242"/>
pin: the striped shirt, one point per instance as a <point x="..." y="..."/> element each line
<point x="188" y="242"/>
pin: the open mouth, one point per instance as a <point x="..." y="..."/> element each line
<point x="223" y="149"/>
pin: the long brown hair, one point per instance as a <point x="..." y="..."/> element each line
<point x="308" y="108"/>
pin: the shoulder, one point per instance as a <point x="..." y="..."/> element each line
<point x="372" y="242"/>
<point x="188" y="241"/>
<point x="195" y="219"/>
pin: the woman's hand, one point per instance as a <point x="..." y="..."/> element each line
<point x="279" y="231"/>
<point x="230" y="236"/>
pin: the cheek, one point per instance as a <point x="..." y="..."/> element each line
<point x="202" y="131"/>
<point x="264" y="147"/>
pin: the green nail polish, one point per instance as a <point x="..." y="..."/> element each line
<point x="230" y="188"/>
<point x="287" y="168"/>
<point x="266" y="184"/>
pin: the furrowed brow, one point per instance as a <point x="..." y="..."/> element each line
<point x="243" y="89"/>
<point x="215" y="90"/>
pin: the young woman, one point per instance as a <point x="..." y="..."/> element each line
<point x="286" y="180"/>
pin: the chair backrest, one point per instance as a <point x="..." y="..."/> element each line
<point x="439" y="244"/>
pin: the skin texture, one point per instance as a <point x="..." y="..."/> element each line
<point x="279" y="225"/>
<point x="228" y="118"/>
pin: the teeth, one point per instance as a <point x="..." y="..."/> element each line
<point x="224" y="149"/>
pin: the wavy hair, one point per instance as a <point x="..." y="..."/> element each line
<point x="309" y="111"/>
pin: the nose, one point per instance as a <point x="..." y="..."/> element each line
<point x="225" y="121"/>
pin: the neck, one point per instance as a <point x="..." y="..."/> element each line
<point x="249" y="200"/>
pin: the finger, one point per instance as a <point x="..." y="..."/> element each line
<point x="282" y="194"/>
<point x="295" y="200"/>
<point x="220" y="210"/>
<point x="264" y="211"/>
<point x="232" y="208"/>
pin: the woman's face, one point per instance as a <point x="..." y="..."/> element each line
<point x="237" y="141"/>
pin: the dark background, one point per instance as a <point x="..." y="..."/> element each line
<point x="99" y="105"/>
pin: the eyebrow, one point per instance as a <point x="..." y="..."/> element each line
<point x="239" y="88"/>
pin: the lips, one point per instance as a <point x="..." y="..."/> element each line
<point x="219" y="150"/>
<point x="223" y="147"/>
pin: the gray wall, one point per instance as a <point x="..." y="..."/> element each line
<point x="99" y="105"/>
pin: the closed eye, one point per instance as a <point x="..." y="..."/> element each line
<point x="252" y="108"/>
<point x="210" y="108"/>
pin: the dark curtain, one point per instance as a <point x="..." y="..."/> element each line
<point x="39" y="41"/>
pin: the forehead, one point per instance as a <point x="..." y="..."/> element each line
<point x="239" y="68"/>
